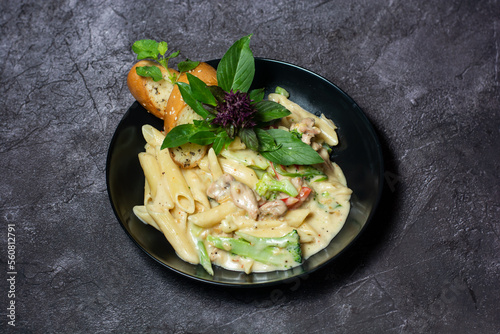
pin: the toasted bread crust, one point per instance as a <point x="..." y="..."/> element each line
<point x="176" y="105"/>
<point x="150" y="94"/>
<point x="163" y="99"/>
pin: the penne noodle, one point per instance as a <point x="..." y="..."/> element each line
<point x="214" y="215"/>
<point x="153" y="136"/>
<point x="175" y="234"/>
<point x="241" y="173"/>
<point x="147" y="192"/>
<point x="142" y="213"/>
<point x="204" y="165"/>
<point x="306" y="233"/>
<point x="163" y="199"/>
<point x="150" y="149"/>
<point x="151" y="171"/>
<point x="296" y="217"/>
<point x="268" y="232"/>
<point x="197" y="188"/>
<point x="176" y="183"/>
<point x="244" y="222"/>
<point x="213" y="164"/>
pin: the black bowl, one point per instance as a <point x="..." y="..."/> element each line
<point x="358" y="154"/>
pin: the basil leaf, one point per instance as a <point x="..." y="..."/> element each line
<point x="292" y="151"/>
<point x="187" y="65"/>
<point x="202" y="125"/>
<point x="266" y="141"/>
<point x="188" y="97"/>
<point x="249" y="138"/>
<point x="221" y="140"/>
<point x="162" y="48"/>
<point x="200" y="91"/>
<point x="149" y="71"/>
<point x="218" y="93"/>
<point x="237" y="67"/>
<point x="202" y="138"/>
<point x="269" y="111"/>
<point x="179" y="135"/>
<point x="173" y="54"/>
<point x="146" y="48"/>
<point x="256" y="95"/>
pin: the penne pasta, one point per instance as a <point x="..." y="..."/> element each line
<point x="142" y="213"/>
<point x="197" y="188"/>
<point x="213" y="164"/>
<point x="241" y="173"/>
<point x="151" y="171"/>
<point x="153" y="136"/>
<point x="214" y="215"/>
<point x="176" y="184"/>
<point x="175" y="235"/>
<point x="295" y="218"/>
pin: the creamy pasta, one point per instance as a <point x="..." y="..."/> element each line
<point x="224" y="198"/>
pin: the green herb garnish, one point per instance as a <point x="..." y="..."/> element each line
<point x="151" y="49"/>
<point x="231" y="109"/>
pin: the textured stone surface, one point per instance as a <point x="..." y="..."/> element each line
<point x="427" y="76"/>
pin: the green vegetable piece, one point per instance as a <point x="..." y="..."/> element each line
<point x="292" y="150"/>
<point x="204" y="257"/>
<point x="146" y="48"/>
<point x="266" y="141"/>
<point x="268" y="184"/>
<point x="247" y="157"/>
<point x="187" y="65"/>
<point x="187" y="96"/>
<point x="200" y="91"/>
<point x="195" y="232"/>
<point x="282" y="251"/>
<point x="282" y="91"/>
<point x="268" y="111"/>
<point x="149" y="71"/>
<point x="203" y="137"/>
<point x="301" y="171"/>
<point x="162" y="48"/>
<point x="237" y="67"/>
<point x="249" y="137"/>
<point x="221" y="141"/>
<point x="256" y="95"/>
<point x="179" y="135"/>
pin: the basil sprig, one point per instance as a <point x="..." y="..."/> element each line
<point x="222" y="122"/>
<point x="151" y="49"/>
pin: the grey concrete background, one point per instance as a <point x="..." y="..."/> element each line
<point x="426" y="73"/>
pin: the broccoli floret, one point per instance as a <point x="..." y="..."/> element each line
<point x="281" y="251"/>
<point x="268" y="184"/>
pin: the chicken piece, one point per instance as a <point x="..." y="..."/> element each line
<point x="276" y="208"/>
<point x="220" y="189"/>
<point x="307" y="128"/>
<point x="244" y="198"/>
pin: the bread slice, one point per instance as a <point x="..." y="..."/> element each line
<point x="163" y="99"/>
<point x="178" y="112"/>
<point x="176" y="107"/>
<point x="151" y="95"/>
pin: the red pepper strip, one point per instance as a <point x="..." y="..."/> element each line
<point x="295" y="202"/>
<point x="290" y="201"/>
<point x="275" y="172"/>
